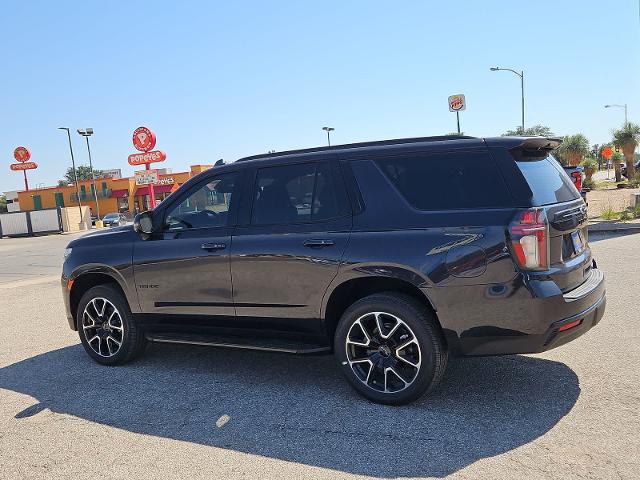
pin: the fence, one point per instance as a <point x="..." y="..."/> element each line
<point x="19" y="224"/>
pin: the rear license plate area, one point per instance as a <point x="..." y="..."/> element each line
<point x="578" y="241"/>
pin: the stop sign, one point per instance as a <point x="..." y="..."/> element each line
<point x="607" y="152"/>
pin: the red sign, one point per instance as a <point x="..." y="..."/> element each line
<point x="607" y="152"/>
<point x="144" y="139"/>
<point x="148" y="157"/>
<point x="21" y="154"/>
<point x="23" y="166"/>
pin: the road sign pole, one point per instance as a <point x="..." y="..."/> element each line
<point x="458" y="120"/>
<point x="26" y="183"/>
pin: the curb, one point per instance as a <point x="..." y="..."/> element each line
<point x="614" y="228"/>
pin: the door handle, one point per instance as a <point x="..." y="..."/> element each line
<point x="214" y="246"/>
<point x="318" y="243"/>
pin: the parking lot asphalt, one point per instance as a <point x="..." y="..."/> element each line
<point x="197" y="412"/>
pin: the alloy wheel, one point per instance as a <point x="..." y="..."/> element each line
<point x="103" y="327"/>
<point x="383" y="352"/>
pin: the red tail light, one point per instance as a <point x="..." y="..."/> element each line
<point x="530" y="238"/>
<point x="577" y="179"/>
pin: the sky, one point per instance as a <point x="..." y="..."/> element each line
<point x="230" y="79"/>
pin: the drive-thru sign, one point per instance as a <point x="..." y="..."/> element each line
<point x="144" y="140"/>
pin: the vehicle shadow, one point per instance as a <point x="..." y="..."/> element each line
<point x="301" y="410"/>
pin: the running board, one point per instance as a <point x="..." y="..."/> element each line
<point x="229" y="341"/>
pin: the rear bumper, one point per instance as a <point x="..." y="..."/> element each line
<point x="545" y="320"/>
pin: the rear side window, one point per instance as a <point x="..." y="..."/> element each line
<point x="296" y="193"/>
<point x="448" y="180"/>
<point x="548" y="181"/>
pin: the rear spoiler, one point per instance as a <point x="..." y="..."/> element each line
<point x="535" y="148"/>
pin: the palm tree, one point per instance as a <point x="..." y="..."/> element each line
<point x="628" y="138"/>
<point x="574" y="148"/>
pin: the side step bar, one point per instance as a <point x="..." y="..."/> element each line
<point x="229" y="341"/>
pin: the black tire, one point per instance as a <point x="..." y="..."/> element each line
<point x="384" y="362"/>
<point x="132" y="338"/>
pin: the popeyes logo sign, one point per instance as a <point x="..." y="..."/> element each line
<point x="149" y="157"/>
<point x="144" y="140"/>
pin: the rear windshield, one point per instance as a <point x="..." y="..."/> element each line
<point x="548" y="181"/>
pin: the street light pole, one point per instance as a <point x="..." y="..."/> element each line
<point x="328" y="130"/>
<point x="86" y="133"/>
<point x="626" y="122"/>
<point x="521" y="75"/>
<point x="75" y="173"/>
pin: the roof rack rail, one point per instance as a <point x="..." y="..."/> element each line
<point x="377" y="143"/>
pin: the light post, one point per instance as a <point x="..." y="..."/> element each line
<point x="75" y="173"/>
<point x="620" y="106"/>
<point x="86" y="133"/>
<point x="521" y="75"/>
<point x="328" y="130"/>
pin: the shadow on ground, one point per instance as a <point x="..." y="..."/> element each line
<point x="300" y="409"/>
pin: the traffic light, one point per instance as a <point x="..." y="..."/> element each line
<point x="617" y="148"/>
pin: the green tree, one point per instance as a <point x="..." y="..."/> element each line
<point x="540" y="130"/>
<point x="3" y="204"/>
<point x="573" y="149"/>
<point x="83" y="172"/>
<point x="627" y="138"/>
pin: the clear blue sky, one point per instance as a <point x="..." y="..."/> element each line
<point x="229" y="79"/>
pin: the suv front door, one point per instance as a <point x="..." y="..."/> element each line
<point x="297" y="225"/>
<point x="184" y="268"/>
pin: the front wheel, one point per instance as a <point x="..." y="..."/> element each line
<point x="390" y="349"/>
<point x="107" y="329"/>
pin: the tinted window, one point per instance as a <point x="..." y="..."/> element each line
<point x="294" y="193"/>
<point x="207" y="205"/>
<point x="447" y="180"/>
<point x="548" y="181"/>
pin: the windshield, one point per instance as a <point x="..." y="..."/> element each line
<point x="548" y="181"/>
<point x="111" y="216"/>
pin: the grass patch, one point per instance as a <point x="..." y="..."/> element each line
<point x="609" y="214"/>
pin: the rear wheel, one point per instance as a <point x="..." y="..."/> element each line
<point x="390" y="349"/>
<point x="107" y="329"/>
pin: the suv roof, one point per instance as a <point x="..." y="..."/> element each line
<point x="434" y="141"/>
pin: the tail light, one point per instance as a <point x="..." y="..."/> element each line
<point x="530" y="239"/>
<point x="577" y="179"/>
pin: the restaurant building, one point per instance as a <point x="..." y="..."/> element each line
<point x="114" y="194"/>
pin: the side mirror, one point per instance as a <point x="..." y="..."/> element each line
<point x="143" y="223"/>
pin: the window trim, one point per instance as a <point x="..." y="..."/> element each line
<point x="233" y="208"/>
<point x="332" y="175"/>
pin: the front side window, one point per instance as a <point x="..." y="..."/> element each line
<point x="295" y="193"/>
<point x="206" y="207"/>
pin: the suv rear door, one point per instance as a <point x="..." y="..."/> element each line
<point x="297" y="224"/>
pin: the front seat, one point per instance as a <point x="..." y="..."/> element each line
<point x="274" y="206"/>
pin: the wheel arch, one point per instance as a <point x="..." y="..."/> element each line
<point x="351" y="290"/>
<point x="86" y="279"/>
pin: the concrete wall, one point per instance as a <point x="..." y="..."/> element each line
<point x="72" y="221"/>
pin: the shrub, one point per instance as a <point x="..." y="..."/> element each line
<point x="609" y="213"/>
<point x="625" y="215"/>
<point x="589" y="183"/>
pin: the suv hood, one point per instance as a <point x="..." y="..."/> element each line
<point x="107" y="235"/>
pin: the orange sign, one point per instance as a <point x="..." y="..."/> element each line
<point x="22" y="154"/>
<point x="607" y="152"/>
<point x="148" y="157"/>
<point x="23" y="166"/>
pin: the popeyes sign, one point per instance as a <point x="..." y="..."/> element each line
<point x="144" y="140"/>
<point x="23" y="155"/>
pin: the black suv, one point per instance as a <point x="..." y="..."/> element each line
<point x="393" y="255"/>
